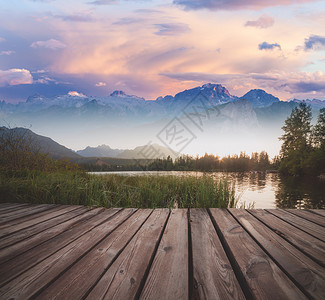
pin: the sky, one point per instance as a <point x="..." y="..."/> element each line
<point x="160" y="47"/>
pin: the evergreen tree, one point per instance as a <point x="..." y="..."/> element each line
<point x="296" y="141"/>
<point x="317" y="156"/>
<point x="319" y="130"/>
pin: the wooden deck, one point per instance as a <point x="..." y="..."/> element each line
<point x="72" y="252"/>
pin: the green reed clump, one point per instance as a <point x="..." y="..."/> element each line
<point x="79" y="188"/>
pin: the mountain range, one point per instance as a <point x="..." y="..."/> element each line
<point x="141" y="152"/>
<point x="210" y="118"/>
<point x="56" y="151"/>
<point x="99" y="151"/>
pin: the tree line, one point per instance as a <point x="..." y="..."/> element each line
<point x="206" y="163"/>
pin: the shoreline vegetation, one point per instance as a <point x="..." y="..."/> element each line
<point x="27" y="175"/>
<point x="80" y="188"/>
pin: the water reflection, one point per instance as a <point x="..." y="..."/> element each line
<point x="265" y="190"/>
<point x="300" y="193"/>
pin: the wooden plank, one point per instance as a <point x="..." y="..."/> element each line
<point x="124" y="277"/>
<point x="33" y="220"/>
<point x="79" y="279"/>
<point x="306" y="243"/>
<point x="307" y="214"/>
<point x="6" y="204"/>
<point x="264" y="279"/>
<point x="320" y="212"/>
<point x="18" y="208"/>
<point x="12" y="236"/>
<point x="23" y="212"/>
<point x="10" y="206"/>
<point x="213" y="276"/>
<point x="303" y="224"/>
<point x="65" y="223"/>
<point x="40" y="275"/>
<point x="301" y="269"/>
<point x="28" y="259"/>
<point x="168" y="275"/>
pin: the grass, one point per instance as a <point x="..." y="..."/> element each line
<point x="79" y="188"/>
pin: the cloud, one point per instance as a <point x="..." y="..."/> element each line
<point x="49" y="44"/>
<point x="7" y="52"/>
<point x="45" y="80"/>
<point x="76" y="94"/>
<point x="100" y="84"/>
<point x="300" y="84"/>
<point x="234" y="4"/>
<point x="127" y="21"/>
<point x="103" y="2"/>
<point x="76" y="18"/>
<point x="172" y="29"/>
<point x="314" y="42"/>
<point x="148" y="11"/>
<point x="1" y="39"/>
<point x="268" y="46"/>
<point x="15" y="77"/>
<point x="221" y="78"/>
<point x="262" y="22"/>
<point x="308" y="86"/>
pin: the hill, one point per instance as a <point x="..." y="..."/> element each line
<point x="43" y="143"/>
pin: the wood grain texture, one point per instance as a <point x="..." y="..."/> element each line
<point x="124" y="277"/>
<point x="299" y="222"/>
<point x="168" y="275"/>
<point x="6" y="207"/>
<point x="320" y="212"/>
<point x="28" y="259"/>
<point x="300" y="239"/>
<point x="26" y="233"/>
<point x="24" y="211"/>
<point x="40" y="275"/>
<point x="73" y="252"/>
<point x="307" y="214"/>
<point x="34" y="220"/>
<point x="20" y="244"/>
<point x="81" y="277"/>
<point x="308" y="274"/>
<point x="264" y="278"/>
<point x="213" y="276"/>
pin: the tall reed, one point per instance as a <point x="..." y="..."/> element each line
<point x="78" y="188"/>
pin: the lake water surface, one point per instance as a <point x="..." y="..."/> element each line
<point x="265" y="190"/>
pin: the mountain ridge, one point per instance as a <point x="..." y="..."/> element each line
<point x="45" y="144"/>
<point x="216" y="94"/>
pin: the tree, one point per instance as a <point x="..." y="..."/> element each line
<point x="317" y="156"/>
<point x="319" y="130"/>
<point x="296" y="140"/>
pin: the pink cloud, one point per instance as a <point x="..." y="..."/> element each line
<point x="76" y="94"/>
<point x="49" y="44"/>
<point x="100" y="84"/>
<point x="234" y="4"/>
<point x="15" y="77"/>
<point x="262" y="22"/>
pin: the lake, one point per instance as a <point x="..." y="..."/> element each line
<point x="265" y="190"/>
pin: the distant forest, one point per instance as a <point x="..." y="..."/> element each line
<point x="206" y="163"/>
